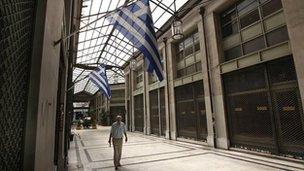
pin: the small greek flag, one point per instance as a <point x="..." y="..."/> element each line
<point x="136" y="24"/>
<point x="99" y="78"/>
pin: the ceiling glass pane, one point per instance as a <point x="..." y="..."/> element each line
<point x="98" y="43"/>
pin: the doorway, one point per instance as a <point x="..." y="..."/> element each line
<point x="139" y="113"/>
<point x="158" y="112"/>
<point x="264" y="108"/>
<point x="190" y="111"/>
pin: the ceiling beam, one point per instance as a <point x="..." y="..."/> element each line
<point x="115" y="56"/>
<point x="92" y="39"/>
<point x="157" y="3"/>
<point x="88" y="54"/>
<point x="88" y="67"/>
<point x="111" y="33"/>
<point x="93" y="28"/>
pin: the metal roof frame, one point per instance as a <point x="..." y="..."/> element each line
<point x="98" y="42"/>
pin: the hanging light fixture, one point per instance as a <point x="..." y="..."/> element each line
<point x="176" y="27"/>
<point x="133" y="64"/>
<point x="177" y="30"/>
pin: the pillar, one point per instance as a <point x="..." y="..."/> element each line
<point x="146" y="97"/>
<point x="294" y="17"/>
<point x="217" y="93"/>
<point x="172" y="115"/>
<point x="206" y="79"/>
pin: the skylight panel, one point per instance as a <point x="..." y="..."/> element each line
<point x="118" y="50"/>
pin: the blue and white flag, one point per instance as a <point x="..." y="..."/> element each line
<point x="99" y="78"/>
<point x="136" y="24"/>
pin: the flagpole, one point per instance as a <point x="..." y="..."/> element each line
<point x="92" y="68"/>
<point x="70" y="88"/>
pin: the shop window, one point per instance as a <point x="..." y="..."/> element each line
<point x="162" y="110"/>
<point x="233" y="53"/>
<point x="250" y="18"/>
<point x="191" y="69"/>
<point x="180" y="56"/>
<point x="181" y="73"/>
<point x="257" y="113"/>
<point x="230" y="29"/>
<point x="246" y="6"/>
<point x="198" y="66"/>
<point x="186" y="47"/>
<point x="197" y="47"/>
<point x="228" y="16"/>
<point x="248" y="13"/>
<point x="184" y="92"/>
<point x="139" y="113"/>
<point x="277" y="36"/>
<point x="282" y="70"/>
<point x="250" y="115"/>
<point x="196" y="38"/>
<point x="154" y="112"/>
<point x="139" y="76"/>
<point x="242" y="81"/>
<point x="254" y="45"/>
<point x="271" y="7"/>
<point x="190" y="115"/>
<point x="188" y="51"/>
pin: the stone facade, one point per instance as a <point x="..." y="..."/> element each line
<point x="206" y="20"/>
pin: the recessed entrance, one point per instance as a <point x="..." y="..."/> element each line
<point x="158" y="112"/>
<point x="264" y="108"/>
<point x="190" y="111"/>
<point x="139" y="113"/>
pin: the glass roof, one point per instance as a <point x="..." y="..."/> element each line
<point x="100" y="43"/>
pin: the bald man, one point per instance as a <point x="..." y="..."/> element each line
<point x="116" y="134"/>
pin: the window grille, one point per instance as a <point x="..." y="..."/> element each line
<point x="264" y="108"/>
<point x="16" y="24"/>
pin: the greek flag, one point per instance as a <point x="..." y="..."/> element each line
<point x="136" y="24"/>
<point x="99" y="78"/>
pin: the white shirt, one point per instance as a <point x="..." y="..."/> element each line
<point x="117" y="130"/>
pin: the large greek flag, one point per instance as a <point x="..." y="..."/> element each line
<point x="136" y="24"/>
<point x="99" y="78"/>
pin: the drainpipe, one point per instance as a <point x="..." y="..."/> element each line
<point x="167" y="80"/>
<point x="202" y="13"/>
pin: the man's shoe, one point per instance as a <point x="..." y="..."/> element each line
<point x="119" y="165"/>
<point x="116" y="168"/>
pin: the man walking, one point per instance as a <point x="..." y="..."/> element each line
<point x="116" y="134"/>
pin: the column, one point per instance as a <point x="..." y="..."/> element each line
<point x="206" y="79"/>
<point x="170" y="67"/>
<point x="214" y="56"/>
<point x="167" y="101"/>
<point x="147" y="104"/>
<point x="294" y="16"/>
<point x="132" y="100"/>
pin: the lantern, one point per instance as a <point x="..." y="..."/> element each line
<point x="133" y="63"/>
<point x="177" y="30"/>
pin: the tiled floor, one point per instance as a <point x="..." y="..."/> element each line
<point x="90" y="151"/>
